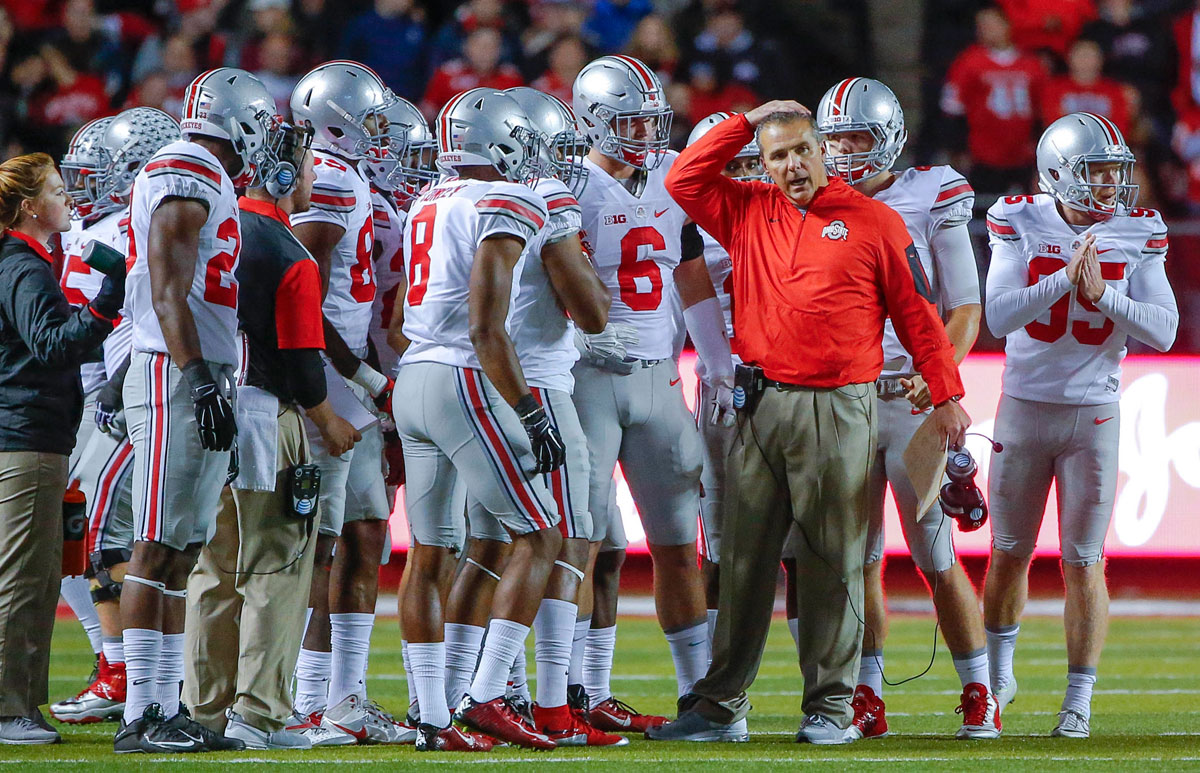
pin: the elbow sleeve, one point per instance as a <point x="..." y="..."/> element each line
<point x="305" y="375"/>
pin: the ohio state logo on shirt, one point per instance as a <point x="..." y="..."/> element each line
<point x="835" y="230"/>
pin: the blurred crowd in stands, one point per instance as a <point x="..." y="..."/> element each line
<point x="992" y="74"/>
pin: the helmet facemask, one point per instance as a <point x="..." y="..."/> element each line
<point x="250" y="143"/>
<point x="566" y="151"/>
<point x="278" y="162"/>
<point x="1082" y="194"/>
<point x="856" y="167"/>
<point x="619" y="142"/>
<point x="404" y="164"/>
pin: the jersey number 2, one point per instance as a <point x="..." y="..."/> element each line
<point x="632" y="269"/>
<point x="220" y="288"/>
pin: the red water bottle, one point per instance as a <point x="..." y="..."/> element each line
<point x="74" y="554"/>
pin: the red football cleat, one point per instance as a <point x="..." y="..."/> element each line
<point x="102" y="700"/>
<point x="868" y="713"/>
<point x="498" y="720"/>
<point x="981" y="713"/>
<point x="613" y="716"/>
<point x="450" y="739"/>
<point x="565" y="727"/>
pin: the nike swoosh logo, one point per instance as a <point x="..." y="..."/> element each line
<point x="660" y="214"/>
<point x="694" y="644"/>
<point x="360" y="734"/>
<point x="1101" y="421"/>
<point x="676" y="381"/>
<point x="139" y="682"/>
<point x="180" y="744"/>
<point x="1101" y="252"/>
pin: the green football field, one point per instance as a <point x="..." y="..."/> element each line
<point x="1145" y="713"/>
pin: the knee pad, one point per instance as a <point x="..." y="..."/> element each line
<point x="106" y="570"/>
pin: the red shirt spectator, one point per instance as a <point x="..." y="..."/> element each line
<point x="733" y="97"/>
<point x="550" y="83"/>
<point x="996" y="91"/>
<point x="71" y="104"/>
<point x="479" y="67"/>
<point x="1186" y="142"/>
<point x="1085" y="89"/>
<point x="1047" y="25"/>
<point x="1187" y="85"/>
<point x="567" y="57"/>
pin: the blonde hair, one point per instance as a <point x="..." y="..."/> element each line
<point x="21" y="179"/>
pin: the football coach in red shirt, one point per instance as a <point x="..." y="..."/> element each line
<point x="817" y="267"/>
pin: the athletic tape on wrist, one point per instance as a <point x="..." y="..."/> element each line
<point x="158" y="586"/>
<point x="484" y="569"/>
<point x="577" y="572"/>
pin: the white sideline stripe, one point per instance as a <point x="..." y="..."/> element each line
<point x="894" y="691"/>
<point x="841" y="755"/>
<point x="643" y="606"/>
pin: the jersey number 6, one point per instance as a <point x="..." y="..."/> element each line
<point x="632" y="269"/>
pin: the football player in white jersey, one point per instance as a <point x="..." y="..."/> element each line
<point x="343" y="103"/>
<point x="555" y="277"/>
<point x="627" y="391"/>
<point x="182" y="301"/>
<point x="1075" y="270"/>
<point x="863" y="126"/>
<point x="468" y="413"/>
<point x="80" y="166"/>
<point x="105" y="460"/>
<point x="718" y="438"/>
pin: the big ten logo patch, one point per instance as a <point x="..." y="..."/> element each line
<point x="618" y="219"/>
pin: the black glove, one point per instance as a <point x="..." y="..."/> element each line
<point x="214" y="415"/>
<point x="111" y="297"/>
<point x="548" y="447"/>
<point x="108" y="405"/>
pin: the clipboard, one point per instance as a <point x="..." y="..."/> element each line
<point x="925" y="462"/>
<point x="345" y="403"/>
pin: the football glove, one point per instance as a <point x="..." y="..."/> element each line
<point x="548" y="447"/>
<point x="608" y="348"/>
<point x="214" y="416"/>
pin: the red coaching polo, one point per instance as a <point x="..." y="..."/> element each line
<point x="811" y="290"/>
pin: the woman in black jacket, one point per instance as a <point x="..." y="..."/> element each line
<point x="42" y="342"/>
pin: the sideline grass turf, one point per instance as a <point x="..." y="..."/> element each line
<point x="1145" y="713"/>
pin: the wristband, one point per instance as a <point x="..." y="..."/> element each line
<point x="197" y="374"/>
<point x="370" y="379"/>
<point x="525" y="406"/>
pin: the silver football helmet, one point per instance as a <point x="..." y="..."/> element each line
<point x="749" y="151"/>
<point x="82" y="167"/>
<point x="621" y="107"/>
<point x="484" y="127"/>
<point x="1067" y="153"/>
<point x="405" y="164"/>
<point x="567" y="146"/>
<point x="131" y="139"/>
<point x="231" y="104"/>
<point x="344" y="103"/>
<point x="862" y="104"/>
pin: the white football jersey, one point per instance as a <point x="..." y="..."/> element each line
<point x="187" y="170"/>
<point x="541" y="331"/>
<point x="720" y="269"/>
<point x="342" y="196"/>
<point x="929" y="198"/>
<point x="388" y="222"/>
<point x="634" y="244"/>
<point x="1071" y="354"/>
<point x="445" y="227"/>
<point x="80" y="282"/>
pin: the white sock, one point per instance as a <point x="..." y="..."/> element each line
<point x="1080" y="681"/>
<point x="518" y="679"/>
<point x="143" y="647"/>
<point x="505" y="640"/>
<point x="312" y="681"/>
<point x="408" y="675"/>
<point x="870" y="670"/>
<point x="428" y="661"/>
<point x="794" y="630"/>
<point x="463" y="643"/>
<point x="578" y="644"/>
<point x="350" y="640"/>
<point x="114" y="650"/>
<point x="712" y="630"/>
<point x="597" y="664"/>
<point x="972" y="667"/>
<point x="78" y="595"/>
<point x="170" y="673"/>
<point x="1001" y="644"/>
<point x="689" y="650"/>
<point x="554" y="629"/>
